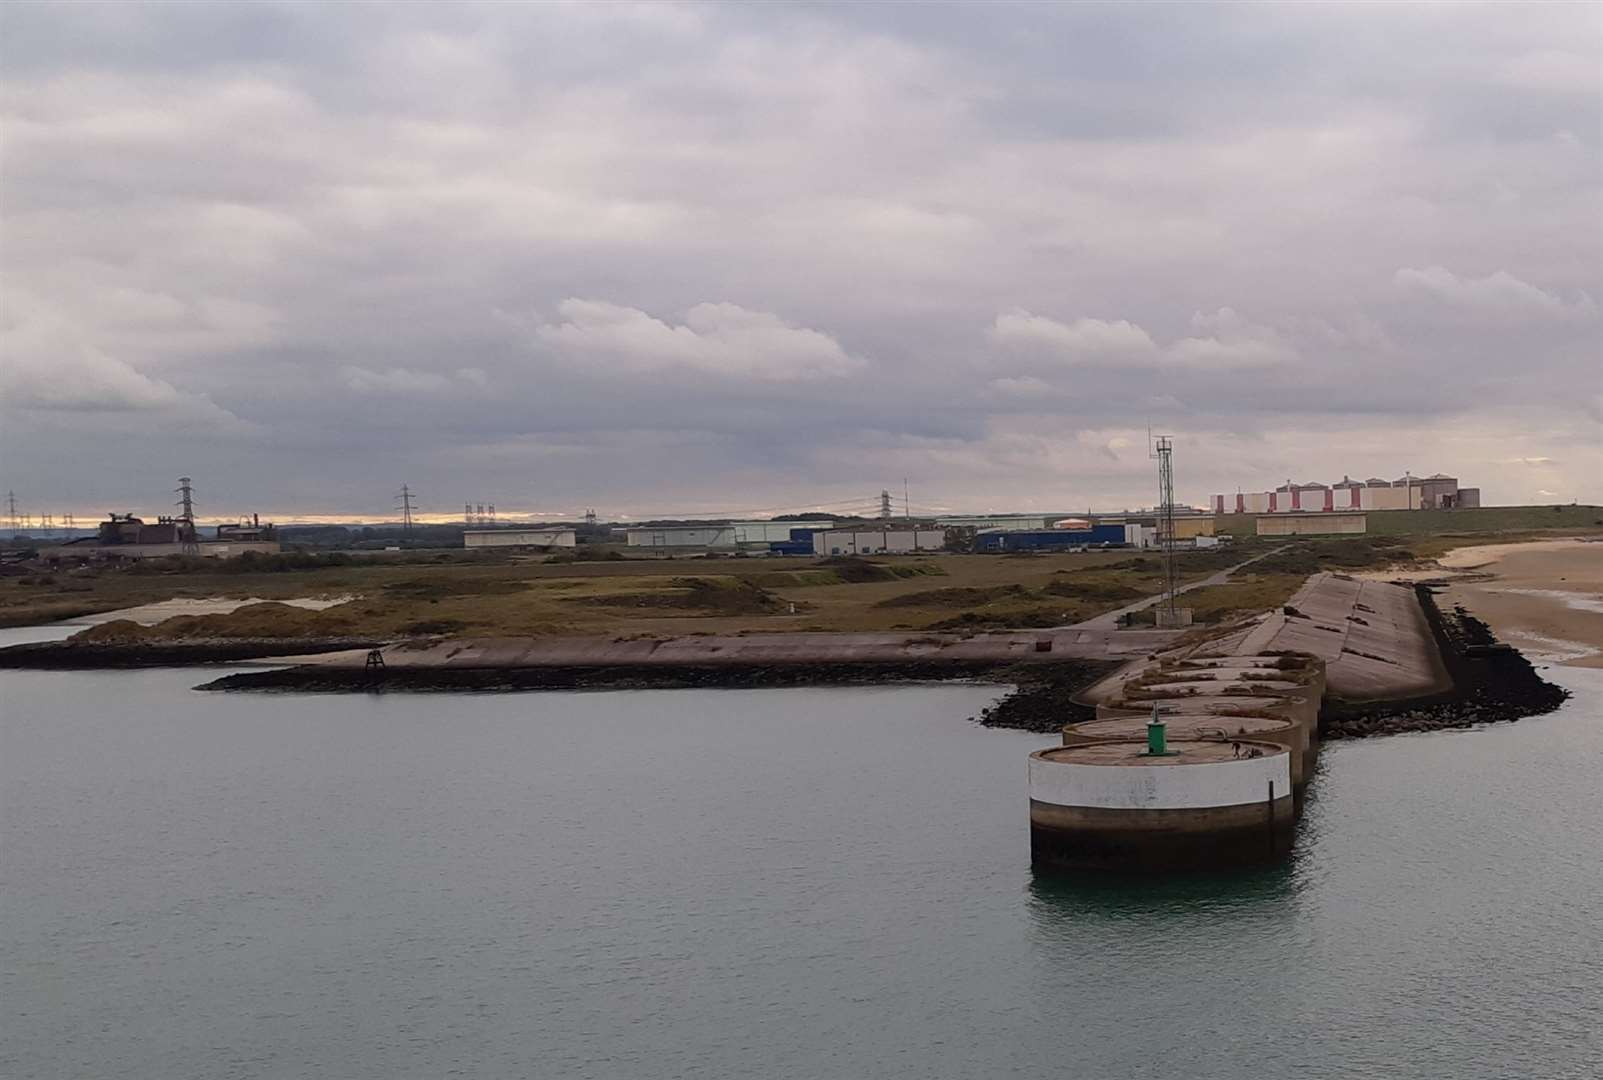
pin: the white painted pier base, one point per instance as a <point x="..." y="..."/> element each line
<point x="1109" y="806"/>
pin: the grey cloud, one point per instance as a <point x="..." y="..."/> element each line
<point x="730" y="255"/>
<point x="1499" y="295"/>
<point x="409" y="382"/>
<point x="716" y="338"/>
<point x="1224" y="342"/>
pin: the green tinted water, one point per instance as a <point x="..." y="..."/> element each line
<point x="794" y="883"/>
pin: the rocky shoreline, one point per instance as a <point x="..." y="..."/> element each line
<point x="1491" y="682"/>
<point x="333" y="680"/>
<point x="72" y="655"/>
<point x="1042" y="699"/>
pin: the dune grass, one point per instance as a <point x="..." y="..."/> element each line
<point x="448" y="593"/>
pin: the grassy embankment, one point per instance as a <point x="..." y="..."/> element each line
<point x="512" y="596"/>
<point x="1436" y="531"/>
<point x="1271" y="581"/>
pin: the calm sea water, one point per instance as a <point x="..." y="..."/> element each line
<point x="793" y="883"/>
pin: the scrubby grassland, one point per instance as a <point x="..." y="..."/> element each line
<point x="460" y="594"/>
<point x="47" y="596"/>
<point x="1245" y="594"/>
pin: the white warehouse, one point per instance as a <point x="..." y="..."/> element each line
<point x="877" y="541"/>
<point x="683" y="536"/>
<point x="1003" y="521"/>
<point x="769" y="532"/>
<point x="529" y="538"/>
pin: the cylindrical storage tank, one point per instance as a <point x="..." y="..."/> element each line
<point x="1205" y="805"/>
<point x="1199" y="726"/>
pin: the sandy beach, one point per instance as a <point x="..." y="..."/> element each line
<point x="151" y="614"/>
<point x="1545" y="598"/>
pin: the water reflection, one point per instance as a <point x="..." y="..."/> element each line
<point x="1062" y="903"/>
<point x="28" y="635"/>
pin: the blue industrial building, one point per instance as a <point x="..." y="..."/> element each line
<point x="1049" y="539"/>
<point x="800" y="542"/>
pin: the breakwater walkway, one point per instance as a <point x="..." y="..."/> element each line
<point x="1019" y="646"/>
<point x="708" y="659"/>
<point x="1373" y="637"/>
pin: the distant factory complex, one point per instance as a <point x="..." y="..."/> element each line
<point x="126" y="538"/>
<point x="1436" y="492"/>
<point x="793" y="538"/>
<point x="1291" y="509"/>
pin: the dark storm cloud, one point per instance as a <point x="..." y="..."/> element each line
<point x="720" y="256"/>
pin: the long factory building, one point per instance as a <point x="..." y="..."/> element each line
<point x="1438" y="492"/>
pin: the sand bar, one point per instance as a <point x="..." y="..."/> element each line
<point x="1545" y="598"/>
<point x="151" y="614"/>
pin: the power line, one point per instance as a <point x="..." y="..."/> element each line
<point x="186" y="517"/>
<point x="405" y="499"/>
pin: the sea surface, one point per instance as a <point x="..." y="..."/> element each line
<point x="799" y="883"/>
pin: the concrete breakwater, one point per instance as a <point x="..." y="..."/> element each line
<point x="1193" y="764"/>
<point x="1231" y="696"/>
<point x="1491" y="683"/>
<point x="708" y="660"/>
<point x="1374" y="639"/>
<point x="1374" y="658"/>
<point x="1067" y="674"/>
<point x="86" y="656"/>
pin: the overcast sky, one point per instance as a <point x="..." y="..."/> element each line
<point x="735" y="258"/>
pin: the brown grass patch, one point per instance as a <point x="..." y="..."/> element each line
<point x="956" y="596"/>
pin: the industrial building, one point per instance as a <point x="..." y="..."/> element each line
<point x="1438" y="492"/>
<point x="782" y="537"/>
<point x="548" y="537"/>
<point x="1001" y="521"/>
<point x="126" y="538"/>
<point x="684" y="537"/>
<point x="762" y="533"/>
<point x="800" y="542"/>
<point x="1188" y="528"/>
<point x="1312" y="524"/>
<point x="886" y="540"/>
<point x="1112" y="534"/>
<point x="247" y="532"/>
